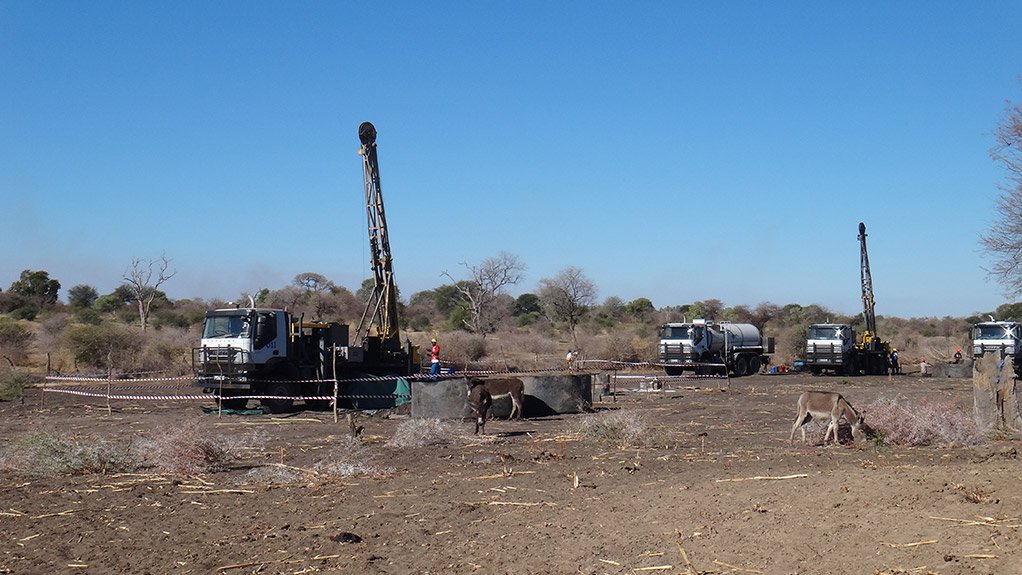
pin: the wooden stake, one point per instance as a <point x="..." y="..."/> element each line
<point x="684" y="556"/>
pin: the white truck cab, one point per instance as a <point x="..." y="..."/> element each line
<point x="997" y="335"/>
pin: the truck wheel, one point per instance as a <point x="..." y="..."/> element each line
<point x="851" y="368"/>
<point x="754" y="364"/>
<point x="280" y="405"/>
<point x="674" y="370"/>
<point x="741" y="366"/>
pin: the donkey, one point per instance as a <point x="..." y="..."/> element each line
<point x="499" y="388"/>
<point x="479" y="401"/>
<point x="826" y="405"/>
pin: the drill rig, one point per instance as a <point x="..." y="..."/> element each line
<point x="833" y="347"/>
<point x="252" y="351"/>
<point x="874" y="353"/>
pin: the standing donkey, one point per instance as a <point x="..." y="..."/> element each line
<point x="826" y="405"/>
<point x="499" y="388"/>
<point x="479" y="401"/>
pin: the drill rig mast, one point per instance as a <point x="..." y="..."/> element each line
<point x="381" y="309"/>
<point x="874" y="353"/>
<point x="868" y="304"/>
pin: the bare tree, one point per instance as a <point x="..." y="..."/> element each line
<point x="1004" y="241"/>
<point x="488" y="280"/>
<point x="138" y="278"/>
<point x="568" y="297"/>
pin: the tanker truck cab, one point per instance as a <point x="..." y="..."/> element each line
<point x="675" y="347"/>
<point x="991" y="336"/>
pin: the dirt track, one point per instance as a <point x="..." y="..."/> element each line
<point x="509" y="503"/>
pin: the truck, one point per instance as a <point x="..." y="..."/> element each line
<point x="258" y="351"/>
<point x="998" y="336"/>
<point x="833" y="347"/>
<point x="706" y="346"/>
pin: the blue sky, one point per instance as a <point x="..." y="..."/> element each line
<point x="678" y="151"/>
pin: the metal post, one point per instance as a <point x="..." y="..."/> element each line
<point x="336" y="385"/>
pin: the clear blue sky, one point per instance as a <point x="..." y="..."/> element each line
<point x="678" y="151"/>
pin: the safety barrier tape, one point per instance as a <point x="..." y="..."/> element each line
<point x="215" y="396"/>
<point x="104" y="379"/>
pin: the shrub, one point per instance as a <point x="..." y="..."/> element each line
<point x="12" y="384"/>
<point x="624" y="428"/>
<point x="422" y="433"/>
<point x="47" y="454"/>
<point x="14" y="339"/>
<point x="935" y="422"/>
<point x="93" y="345"/>
<point x="191" y="447"/>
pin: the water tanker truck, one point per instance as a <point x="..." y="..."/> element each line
<point x="705" y="346"/>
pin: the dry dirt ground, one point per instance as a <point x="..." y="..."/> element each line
<point x="727" y="491"/>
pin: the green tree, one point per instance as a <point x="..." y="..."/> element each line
<point x="639" y="307"/>
<point x="82" y="296"/>
<point x="37" y="286"/>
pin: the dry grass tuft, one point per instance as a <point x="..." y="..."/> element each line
<point x="414" y="433"/>
<point x="933" y="422"/>
<point x="193" y="447"/>
<point x="624" y="428"/>
<point x="46" y="454"/>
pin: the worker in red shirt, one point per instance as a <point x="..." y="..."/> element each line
<point x="434" y="358"/>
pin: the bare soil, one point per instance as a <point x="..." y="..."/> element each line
<point x="727" y="491"/>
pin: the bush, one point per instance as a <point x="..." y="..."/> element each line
<point x="933" y="422"/>
<point x="12" y="384"/>
<point x="624" y="428"/>
<point x="47" y="454"/>
<point x="422" y="433"/>
<point x="14" y="339"/>
<point x="94" y="345"/>
<point x="191" y="447"/>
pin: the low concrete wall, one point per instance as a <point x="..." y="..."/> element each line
<point x="960" y="370"/>
<point x="544" y="395"/>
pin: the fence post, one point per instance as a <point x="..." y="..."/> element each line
<point x="109" y="381"/>
<point x="336" y="385"/>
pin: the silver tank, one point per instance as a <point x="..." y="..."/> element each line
<point x="738" y="335"/>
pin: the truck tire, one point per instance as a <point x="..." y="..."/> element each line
<point x="741" y="366"/>
<point x="280" y="405"/>
<point x="754" y="364"/>
<point x="851" y="368"/>
<point x="673" y="370"/>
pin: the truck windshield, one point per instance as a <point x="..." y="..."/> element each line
<point x="224" y="326"/>
<point x="674" y="332"/>
<point x="825" y="332"/>
<point x="995" y="331"/>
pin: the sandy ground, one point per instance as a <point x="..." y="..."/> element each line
<point x="726" y="490"/>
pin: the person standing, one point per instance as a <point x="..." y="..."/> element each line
<point x="895" y="366"/>
<point x="434" y="358"/>
<point x="958" y="356"/>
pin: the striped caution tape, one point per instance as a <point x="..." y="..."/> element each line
<point x="104" y="380"/>
<point x="215" y="396"/>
